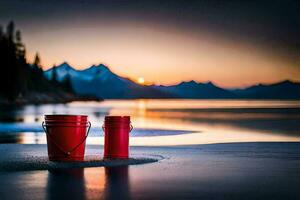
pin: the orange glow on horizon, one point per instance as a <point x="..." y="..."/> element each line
<point x="163" y="56"/>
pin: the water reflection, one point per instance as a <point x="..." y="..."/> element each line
<point x="117" y="183"/>
<point x="262" y="120"/>
<point x="283" y="120"/>
<point x="89" y="183"/>
<point x="65" y="184"/>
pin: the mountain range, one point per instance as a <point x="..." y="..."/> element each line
<point x="99" y="81"/>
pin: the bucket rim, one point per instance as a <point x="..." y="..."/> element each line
<point x="117" y="117"/>
<point x="66" y="122"/>
<point x="65" y="115"/>
<point x="65" y="118"/>
<point x="66" y="125"/>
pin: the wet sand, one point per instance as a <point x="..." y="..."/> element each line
<point x="216" y="171"/>
<point x="34" y="157"/>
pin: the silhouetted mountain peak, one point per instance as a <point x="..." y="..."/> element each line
<point x="97" y="69"/>
<point x="65" y="63"/>
<point x="65" y="66"/>
<point x="99" y="80"/>
<point x="286" y="82"/>
<point x="211" y="84"/>
<point x="193" y="83"/>
<point x="188" y="83"/>
<point x="282" y="90"/>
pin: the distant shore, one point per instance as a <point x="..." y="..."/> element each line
<point x="48" y="99"/>
<point x="45" y="98"/>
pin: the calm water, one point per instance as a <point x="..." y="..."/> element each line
<point x="166" y="122"/>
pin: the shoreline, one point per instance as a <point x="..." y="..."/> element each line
<point x="25" y="102"/>
<point x="54" y="100"/>
<point x="31" y="157"/>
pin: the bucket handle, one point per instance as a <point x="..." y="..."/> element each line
<point x="59" y="147"/>
<point x="131" y="127"/>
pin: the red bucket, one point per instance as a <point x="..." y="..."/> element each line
<point x="66" y="136"/>
<point x="116" y="136"/>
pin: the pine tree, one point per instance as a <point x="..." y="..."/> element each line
<point x="37" y="60"/>
<point x="10" y="30"/>
<point x="20" y="48"/>
<point x="1" y="32"/>
<point x="18" y="79"/>
<point x="14" y="69"/>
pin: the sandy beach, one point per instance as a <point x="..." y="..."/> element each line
<point x="216" y="171"/>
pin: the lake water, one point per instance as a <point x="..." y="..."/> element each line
<point x="166" y="122"/>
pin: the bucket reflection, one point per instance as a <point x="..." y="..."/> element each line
<point x="66" y="184"/>
<point x="89" y="183"/>
<point x="117" y="183"/>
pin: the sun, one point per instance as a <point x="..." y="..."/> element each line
<point x="141" y="80"/>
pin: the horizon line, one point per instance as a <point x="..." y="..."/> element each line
<point x="176" y="83"/>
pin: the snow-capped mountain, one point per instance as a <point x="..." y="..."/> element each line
<point x="62" y="71"/>
<point x="99" y="81"/>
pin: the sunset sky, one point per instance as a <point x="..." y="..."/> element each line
<point x="233" y="43"/>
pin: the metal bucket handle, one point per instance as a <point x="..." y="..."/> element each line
<point x="59" y="147"/>
<point x="131" y="127"/>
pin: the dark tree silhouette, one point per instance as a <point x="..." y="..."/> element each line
<point x="68" y="84"/>
<point x="1" y="32"/>
<point x="20" y="48"/>
<point x="37" y="60"/>
<point x="10" y="30"/>
<point x="21" y="80"/>
<point x="12" y="62"/>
